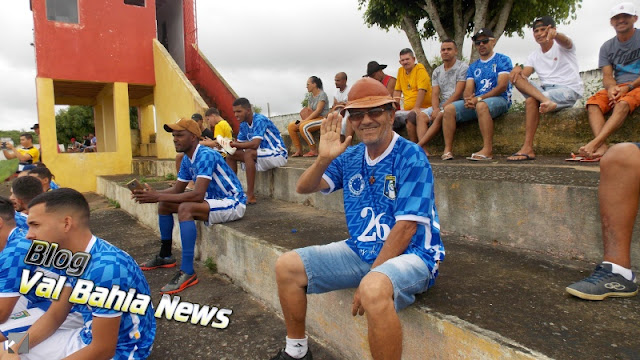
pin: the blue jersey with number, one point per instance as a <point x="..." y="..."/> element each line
<point x="398" y="185"/>
<point x="21" y="221"/>
<point x="11" y="266"/>
<point x="264" y="129"/>
<point x="109" y="266"/>
<point x="485" y="74"/>
<point x="209" y="164"/>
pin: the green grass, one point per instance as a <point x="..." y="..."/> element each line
<point x="114" y="203"/>
<point x="170" y="177"/>
<point x="211" y="265"/>
<point x="7" y="167"/>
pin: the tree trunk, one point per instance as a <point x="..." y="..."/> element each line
<point x="479" y="21"/>
<point x="410" y="29"/>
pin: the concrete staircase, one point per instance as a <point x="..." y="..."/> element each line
<point x="515" y="236"/>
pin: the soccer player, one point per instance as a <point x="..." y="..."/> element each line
<point x="23" y="190"/>
<point x="216" y="198"/>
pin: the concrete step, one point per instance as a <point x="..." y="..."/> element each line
<point x="548" y="206"/>
<point x="490" y="302"/>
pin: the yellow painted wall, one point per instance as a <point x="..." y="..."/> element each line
<point x="79" y="170"/>
<point x="174" y="97"/>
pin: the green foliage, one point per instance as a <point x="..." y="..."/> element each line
<point x="133" y="118"/>
<point x="15" y="136"/>
<point x="74" y="121"/>
<point x="170" y="177"/>
<point x="256" y="109"/>
<point x="305" y="101"/>
<point x="7" y="167"/>
<point x="211" y="265"/>
<point x="114" y="203"/>
<point x="388" y="14"/>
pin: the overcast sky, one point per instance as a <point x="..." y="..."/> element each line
<point x="266" y="50"/>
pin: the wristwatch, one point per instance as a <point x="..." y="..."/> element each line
<point x="630" y="87"/>
<point x="479" y="98"/>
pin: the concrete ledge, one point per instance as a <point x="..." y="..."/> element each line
<point x="250" y="260"/>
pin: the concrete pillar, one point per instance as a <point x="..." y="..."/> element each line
<point x="147" y="121"/>
<point x="47" y="117"/>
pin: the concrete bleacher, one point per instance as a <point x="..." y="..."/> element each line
<point x="512" y="234"/>
<point x="559" y="133"/>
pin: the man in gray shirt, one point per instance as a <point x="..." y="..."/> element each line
<point x="447" y="85"/>
<point x="619" y="55"/>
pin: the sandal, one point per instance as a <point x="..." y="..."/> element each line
<point x="447" y="156"/>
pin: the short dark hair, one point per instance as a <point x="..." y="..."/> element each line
<point x="316" y="80"/>
<point x="242" y="102"/>
<point x="212" y="111"/>
<point x="450" y="41"/>
<point x="27" y="136"/>
<point x="42" y="171"/>
<point x="26" y="188"/>
<point x="342" y="73"/>
<point x="406" y="51"/>
<point x="63" y="198"/>
<point x="7" y="212"/>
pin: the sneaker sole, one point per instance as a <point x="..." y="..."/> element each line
<point x="147" y="268"/>
<point x="586" y="296"/>
<point x="184" y="285"/>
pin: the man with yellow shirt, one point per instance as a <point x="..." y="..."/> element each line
<point x="220" y="126"/>
<point x="27" y="155"/>
<point x="414" y="84"/>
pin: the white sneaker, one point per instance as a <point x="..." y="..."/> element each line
<point x="226" y="145"/>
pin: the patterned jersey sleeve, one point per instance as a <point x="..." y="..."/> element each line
<point x="470" y="71"/>
<point x="333" y="175"/>
<point x="242" y="134"/>
<point x="259" y="127"/>
<point x="184" y="175"/>
<point x="205" y="165"/>
<point x="504" y="65"/>
<point x="108" y="273"/>
<point x="10" y="271"/>
<point x="415" y="189"/>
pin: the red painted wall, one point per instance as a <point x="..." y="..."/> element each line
<point x="218" y="92"/>
<point x="111" y="42"/>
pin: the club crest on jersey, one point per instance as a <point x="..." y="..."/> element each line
<point x="390" y="187"/>
<point x="356" y="184"/>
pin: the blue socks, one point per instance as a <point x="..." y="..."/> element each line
<point x="166" y="231"/>
<point x="188" y="235"/>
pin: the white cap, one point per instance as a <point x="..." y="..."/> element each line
<point x="623" y="8"/>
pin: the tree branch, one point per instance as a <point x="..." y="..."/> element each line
<point x="434" y="16"/>
<point x="501" y="20"/>
<point x="408" y="25"/>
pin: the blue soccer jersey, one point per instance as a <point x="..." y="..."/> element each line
<point x="53" y="185"/>
<point x="398" y="185"/>
<point x="11" y="266"/>
<point x="21" y="221"/>
<point x="485" y="74"/>
<point x="209" y="164"/>
<point x="262" y="128"/>
<point x="109" y="266"/>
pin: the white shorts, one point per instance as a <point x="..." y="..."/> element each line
<point x="269" y="159"/>
<point x="224" y="210"/>
<point x="57" y="346"/>
<point x="22" y="318"/>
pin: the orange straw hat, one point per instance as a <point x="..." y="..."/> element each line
<point x="368" y="93"/>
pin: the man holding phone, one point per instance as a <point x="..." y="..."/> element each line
<point x="216" y="198"/>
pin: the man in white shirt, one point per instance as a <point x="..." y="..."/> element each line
<point x="560" y="84"/>
<point x="339" y="102"/>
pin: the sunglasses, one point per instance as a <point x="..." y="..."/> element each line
<point x="374" y="113"/>
<point x="483" y="41"/>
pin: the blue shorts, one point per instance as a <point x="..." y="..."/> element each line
<point x="335" y="266"/>
<point x="497" y="106"/>
<point x="638" y="145"/>
<point x="559" y="94"/>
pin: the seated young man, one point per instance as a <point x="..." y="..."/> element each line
<point x="216" y="198"/>
<point x="45" y="176"/>
<point x="220" y="128"/>
<point x="260" y="146"/>
<point x="62" y="217"/>
<point x="18" y="312"/>
<point x="23" y="190"/>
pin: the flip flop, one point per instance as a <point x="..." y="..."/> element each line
<point x="594" y="159"/>
<point x="526" y="157"/>
<point x="447" y="156"/>
<point x="575" y="157"/>
<point x="310" y="154"/>
<point x="479" y="157"/>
